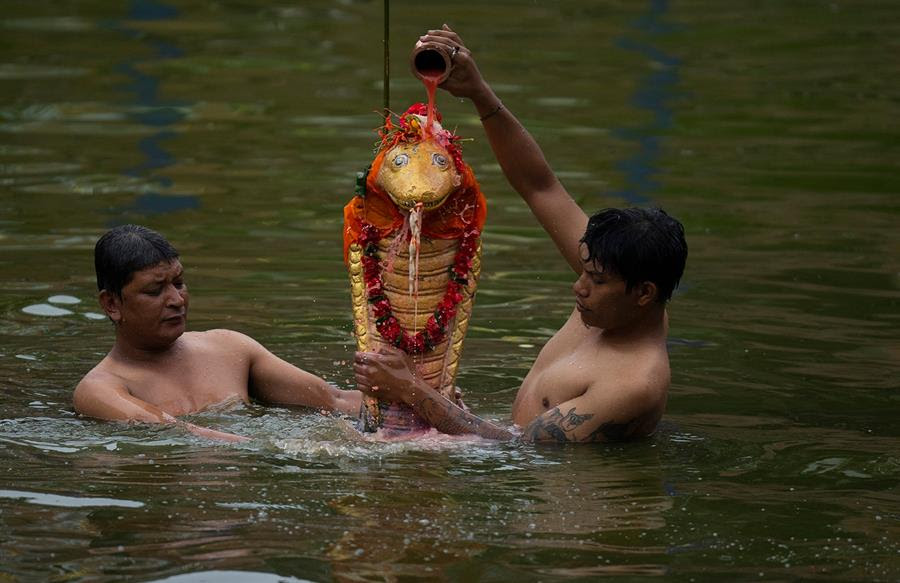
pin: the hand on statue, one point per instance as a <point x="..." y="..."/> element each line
<point x="465" y="79"/>
<point x="388" y="375"/>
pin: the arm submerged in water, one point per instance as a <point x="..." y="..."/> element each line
<point x="101" y="396"/>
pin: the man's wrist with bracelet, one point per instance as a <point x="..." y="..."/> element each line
<point x="493" y="112"/>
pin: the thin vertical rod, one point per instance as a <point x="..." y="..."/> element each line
<point x="387" y="57"/>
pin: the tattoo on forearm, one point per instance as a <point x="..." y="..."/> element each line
<point x="448" y="418"/>
<point x="449" y="421"/>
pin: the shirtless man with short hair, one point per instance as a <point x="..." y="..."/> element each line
<point x="605" y="375"/>
<point x="156" y="371"/>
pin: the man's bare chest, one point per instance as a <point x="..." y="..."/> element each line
<point x="182" y="388"/>
<point x="561" y="379"/>
<point x="563" y="371"/>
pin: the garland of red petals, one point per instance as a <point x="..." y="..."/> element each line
<point x="436" y="326"/>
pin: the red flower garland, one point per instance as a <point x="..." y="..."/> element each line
<point x="436" y="326"/>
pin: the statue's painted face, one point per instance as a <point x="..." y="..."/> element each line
<point x="421" y="172"/>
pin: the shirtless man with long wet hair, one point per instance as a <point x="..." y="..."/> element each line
<point x="605" y="375"/>
<point x="156" y="371"/>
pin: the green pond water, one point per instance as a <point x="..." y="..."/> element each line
<point x="236" y="129"/>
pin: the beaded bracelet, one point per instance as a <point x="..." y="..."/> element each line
<point x="493" y="112"/>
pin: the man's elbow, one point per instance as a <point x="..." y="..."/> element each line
<point x="84" y="401"/>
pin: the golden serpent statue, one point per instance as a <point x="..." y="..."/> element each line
<point x="412" y="246"/>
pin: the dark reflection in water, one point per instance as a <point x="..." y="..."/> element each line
<point x="654" y="91"/>
<point x="152" y="111"/>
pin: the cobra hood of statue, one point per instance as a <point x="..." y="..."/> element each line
<point x="412" y="245"/>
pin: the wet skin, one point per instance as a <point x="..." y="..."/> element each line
<point x="156" y="371"/>
<point x="605" y="375"/>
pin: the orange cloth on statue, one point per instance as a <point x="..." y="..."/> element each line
<point x="465" y="208"/>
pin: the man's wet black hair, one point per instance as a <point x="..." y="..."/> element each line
<point x="126" y="249"/>
<point x="639" y="245"/>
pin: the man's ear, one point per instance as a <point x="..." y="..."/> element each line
<point x="112" y="305"/>
<point x="646" y="293"/>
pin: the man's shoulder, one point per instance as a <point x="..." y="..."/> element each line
<point x="214" y="334"/>
<point x="219" y="338"/>
<point x="214" y="345"/>
<point x="570" y="336"/>
<point x="638" y="383"/>
<point x="103" y="373"/>
<point x="642" y="367"/>
<point x="99" y="380"/>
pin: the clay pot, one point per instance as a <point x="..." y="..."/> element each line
<point x="429" y="60"/>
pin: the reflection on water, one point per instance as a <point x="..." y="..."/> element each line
<point x="655" y="90"/>
<point x="67" y="501"/>
<point x="229" y="577"/>
<point x="159" y="114"/>
<point x="764" y="128"/>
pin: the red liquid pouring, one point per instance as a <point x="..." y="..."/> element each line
<point x="431" y="80"/>
<point x="430" y="64"/>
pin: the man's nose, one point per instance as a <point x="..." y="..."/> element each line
<point x="175" y="297"/>
<point x="578" y="287"/>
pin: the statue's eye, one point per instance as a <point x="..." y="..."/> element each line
<point x="401" y="160"/>
<point x="439" y="160"/>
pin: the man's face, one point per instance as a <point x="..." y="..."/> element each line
<point x="152" y="311"/>
<point x="600" y="295"/>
